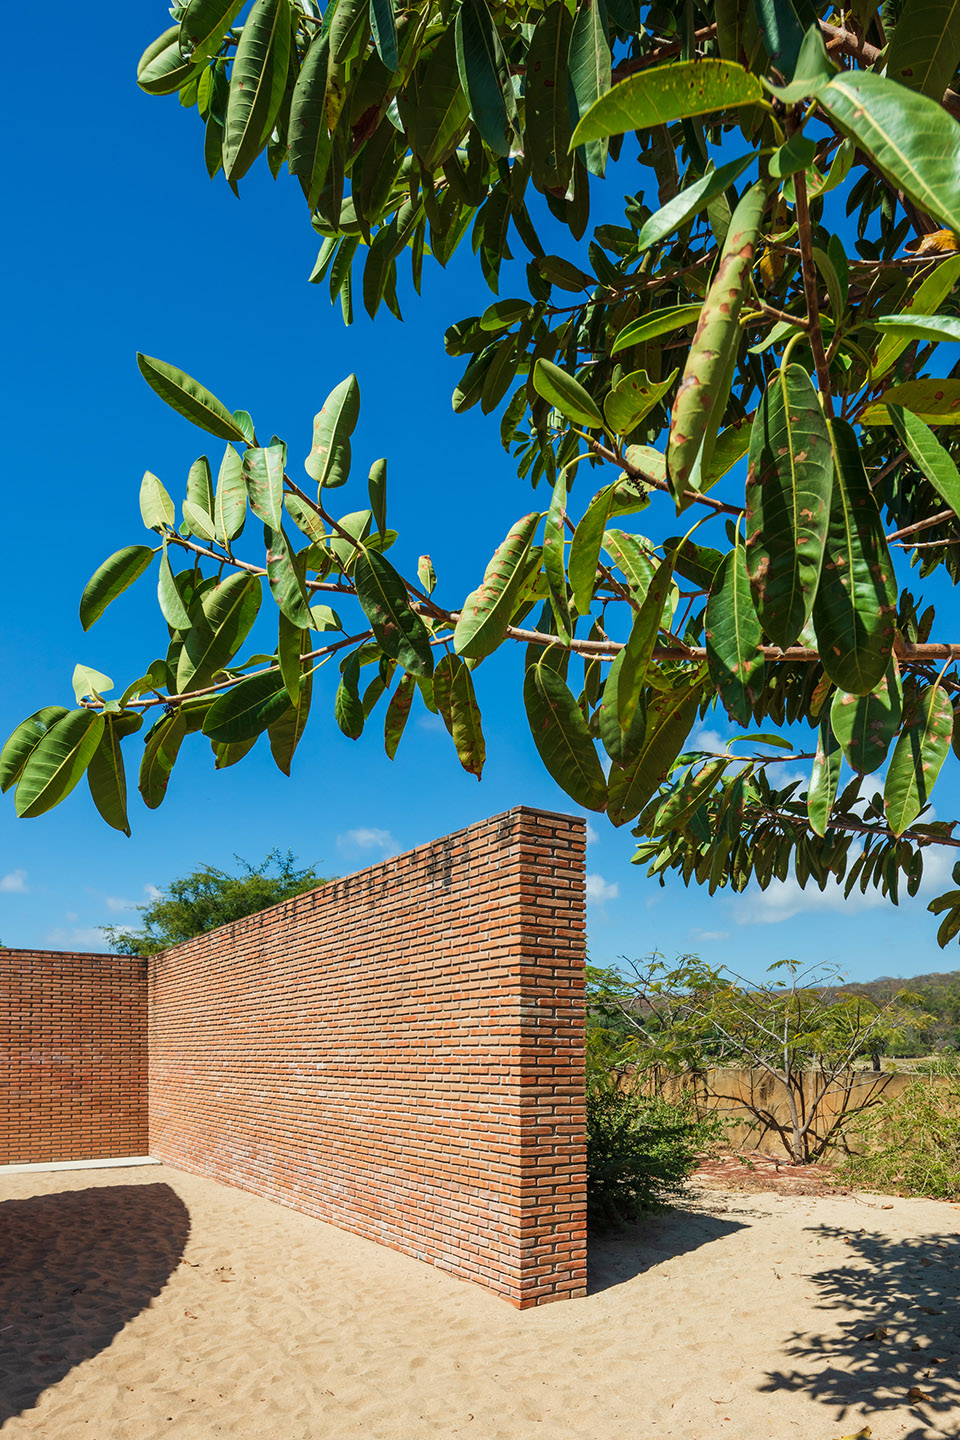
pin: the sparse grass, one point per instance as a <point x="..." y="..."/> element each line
<point x="910" y="1144"/>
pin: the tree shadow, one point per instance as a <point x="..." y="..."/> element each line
<point x="75" y="1267"/>
<point x="616" y="1256"/>
<point x="895" y="1310"/>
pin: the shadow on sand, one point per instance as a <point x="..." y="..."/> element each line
<point x="617" y="1256"/>
<point x="894" y="1326"/>
<point x="74" y="1268"/>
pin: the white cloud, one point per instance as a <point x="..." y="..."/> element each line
<point x="430" y="722"/>
<point x="599" y="891"/>
<point x="152" y="892"/>
<point x="83" y="937"/>
<point x="710" y="934"/>
<point x="114" y="903"/>
<point x="703" y="738"/>
<point x="592" y="835"/>
<point x="367" y="839"/>
<point x="15" y="883"/>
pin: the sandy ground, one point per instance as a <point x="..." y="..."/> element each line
<point x="142" y="1303"/>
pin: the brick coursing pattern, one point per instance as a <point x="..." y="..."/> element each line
<point x="399" y="1053"/>
<point x="73" y="1056"/>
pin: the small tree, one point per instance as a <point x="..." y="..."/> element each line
<point x="207" y="897"/>
<point x="803" y="1031"/>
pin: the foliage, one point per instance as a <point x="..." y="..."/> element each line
<point x="640" y="1150"/>
<point x="910" y="1144"/>
<point x="939" y="995"/>
<point x="757" y="344"/>
<point x="206" y="898"/>
<point x="802" y="1031"/>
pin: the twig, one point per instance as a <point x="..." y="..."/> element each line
<point x="810" y="291"/>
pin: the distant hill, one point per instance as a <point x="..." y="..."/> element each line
<point x="940" y="993"/>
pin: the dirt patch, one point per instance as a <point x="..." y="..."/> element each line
<point x="756" y="1174"/>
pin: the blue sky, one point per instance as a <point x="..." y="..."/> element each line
<point x="116" y="241"/>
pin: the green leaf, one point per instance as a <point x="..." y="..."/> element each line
<point x="920" y="327"/>
<point x="457" y="702"/>
<point x="783" y="33"/>
<point x="106" y="775"/>
<point x="329" y="460"/>
<point x="199" y="522"/>
<point x="866" y="724"/>
<point x="398" y="710"/>
<point x="377" y="492"/>
<point x="633" y="397"/>
<point x="309" y="139"/>
<point x="822" y="788"/>
<point x="90" y="683"/>
<point x="246" y="710"/>
<point x="668" y="93"/>
<point x="111" y="579"/>
<point x="230" y="506"/>
<point x="561" y="736"/>
<point x="263" y="478"/>
<point x="690" y="202"/>
<point x="732" y="632"/>
<point x="641" y="642"/>
<point x="566" y="394"/>
<point x="257" y="85"/>
<point x="705" y="386"/>
<point x="442" y="112"/>
<point x="621" y="744"/>
<point x="485" y="76"/>
<point x="24" y="739"/>
<point x="789" y="484"/>
<point x="161" y="69"/>
<point x="928" y="455"/>
<point x="925" y="50"/>
<point x="285" y="578"/>
<point x="669" y="718"/>
<point x="909" y="137"/>
<point x="634" y="556"/>
<point x="171" y="604"/>
<point x="156" y="507"/>
<point x="925" y="300"/>
<point x="203" y="26"/>
<point x="585" y="547"/>
<point x="548" y="129"/>
<point x="679" y="807"/>
<point x="305" y="519"/>
<point x="487" y="610"/>
<point x="347" y="705"/>
<point x="916" y="760"/>
<point x="160" y="751"/>
<point x="189" y="398"/>
<point x="384" y="29"/>
<point x="57" y="761"/>
<point x="400" y="632"/>
<point x="697" y="563"/>
<point x="287" y="730"/>
<point x="590" y="72"/>
<point x="228" y="612"/>
<point x="554" y="567"/>
<point x="855" y="610"/>
<point x="933" y="400"/>
<point x="798" y="153"/>
<point x="658" y="322"/>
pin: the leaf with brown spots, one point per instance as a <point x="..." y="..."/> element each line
<point x="917" y="758"/>
<point x="865" y="724"/>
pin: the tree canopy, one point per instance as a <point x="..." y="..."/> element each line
<point x="208" y="897"/>
<point x="754" y="354"/>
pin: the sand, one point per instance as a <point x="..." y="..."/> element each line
<point x="142" y="1303"/>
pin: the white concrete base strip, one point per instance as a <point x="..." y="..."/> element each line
<point x="118" y="1163"/>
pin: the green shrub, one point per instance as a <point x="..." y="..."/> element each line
<point x="640" y="1150"/>
<point x="909" y="1145"/>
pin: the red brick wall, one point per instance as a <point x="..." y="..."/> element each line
<point x="73" y="1083"/>
<point x="399" y="1053"/>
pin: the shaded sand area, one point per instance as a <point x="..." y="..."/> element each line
<point x="142" y="1303"/>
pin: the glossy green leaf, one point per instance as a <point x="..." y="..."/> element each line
<point x="690" y="202"/>
<point x="442" y="110"/>
<point x="679" y="807"/>
<point x="156" y="507"/>
<point x="554" y="566"/>
<point x="922" y="301"/>
<point x="822" y="788"/>
<point x="783" y="33"/>
<point x="257" y="84"/>
<point x="286" y="731"/>
<point x="160" y="751"/>
<point x="634" y="556"/>
<point x="246" y="710"/>
<point x="696" y="563"/>
<point x="161" y="69"/>
<point x="56" y="763"/>
<point x="111" y="579"/>
<point x="632" y="398"/>
<point x="561" y="736"/>
<point x="89" y="683"/>
<point x="641" y="642"/>
<point x="621" y="744"/>
<point x="866" y="724"/>
<point x="24" y="739"/>
<point x="548" y="127"/>
<point x="171" y="604"/>
<point x="329" y="460"/>
<point x="916" y="760"/>
<point x="789" y="484"/>
<point x="705" y="386"/>
<point x="214" y="637"/>
<point x="487" y="610"/>
<point x="855" y="610"/>
<point x="590" y="73"/>
<point x="933" y="328"/>
<point x="199" y="523"/>
<point x="566" y="394"/>
<point x="658" y="322"/>
<point x="189" y="398"/>
<point x="585" y="547"/>
<point x="203" y="26"/>
<point x="397" y="714"/>
<point x="227" y="755"/>
<point x="925" y="50"/>
<point x="669" y="718"/>
<point x="485" y="76"/>
<point x="732" y="633"/>
<point x="910" y="137"/>
<point x="309" y="139"/>
<point x="285" y="578"/>
<point x="668" y="93"/>
<point x="230" y="504"/>
<point x="930" y="457"/>
<point x="347" y="705"/>
<point x="400" y="632"/>
<point x="457" y="702"/>
<point x="934" y="400"/>
<point x="263" y="478"/>
<point x="383" y="26"/>
<point x="106" y="775"/>
<point x="305" y="519"/>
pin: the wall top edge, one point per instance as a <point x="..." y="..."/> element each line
<point x="65" y="954"/>
<point x="532" y="812"/>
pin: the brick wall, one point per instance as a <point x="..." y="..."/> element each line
<point x="72" y="1056"/>
<point x="399" y="1053"/>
